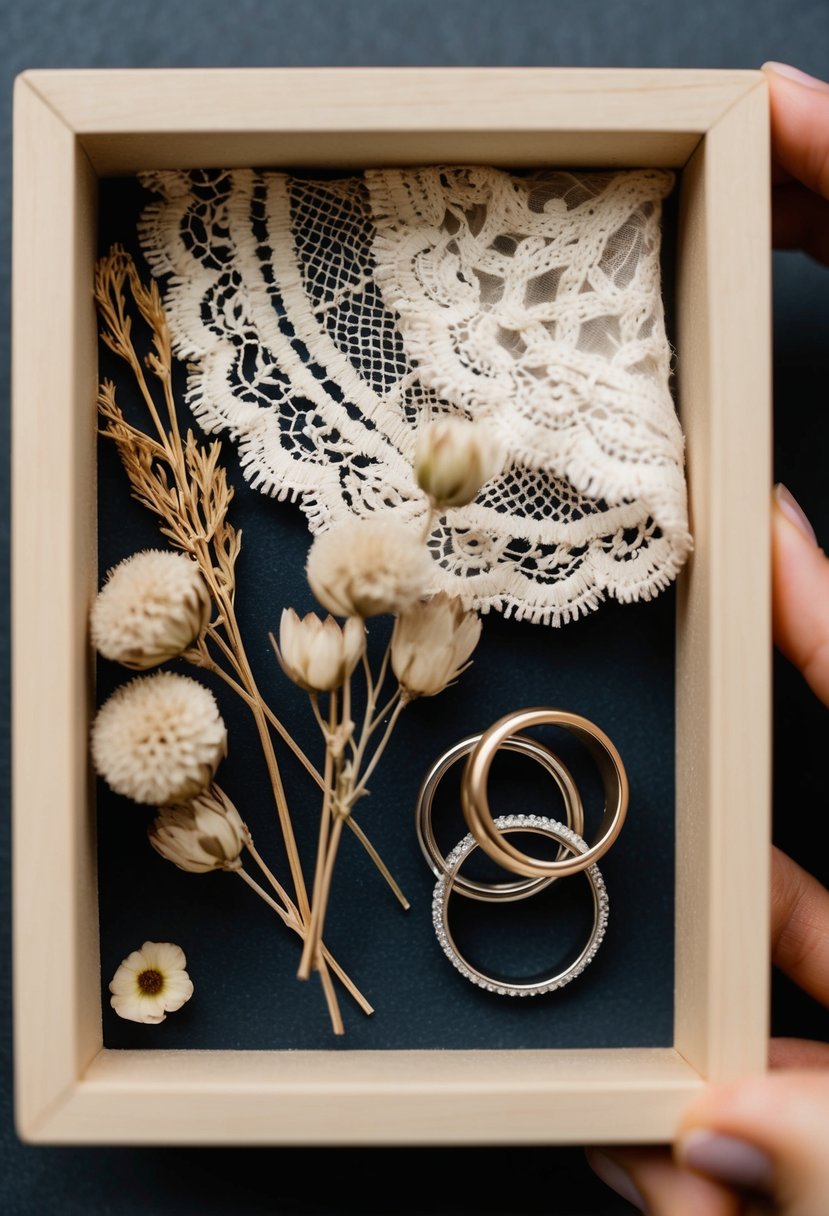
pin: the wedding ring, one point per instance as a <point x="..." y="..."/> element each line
<point x="574" y="845"/>
<point x="493" y="892"/>
<point x="475" y="802"/>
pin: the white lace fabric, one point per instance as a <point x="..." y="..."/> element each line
<point x="322" y="321"/>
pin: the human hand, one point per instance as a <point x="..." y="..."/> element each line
<point x="762" y="1144"/>
<point x="763" y="1141"/>
<point x="799" y="109"/>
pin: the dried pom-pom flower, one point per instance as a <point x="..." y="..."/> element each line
<point x="367" y="567"/>
<point x="206" y="833"/>
<point x="319" y="655"/>
<point x="159" y="739"/>
<point x="151" y="607"/>
<point x="431" y="644"/>
<point x="453" y="458"/>
<point x="150" y="983"/>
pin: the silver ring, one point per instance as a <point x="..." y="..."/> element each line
<point x="445" y="884"/>
<point x="493" y="892"/>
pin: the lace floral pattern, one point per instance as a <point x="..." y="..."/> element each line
<point x="323" y="320"/>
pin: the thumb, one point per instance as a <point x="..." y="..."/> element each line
<point x="800" y="593"/>
<point x="765" y="1135"/>
<point x="799" y="110"/>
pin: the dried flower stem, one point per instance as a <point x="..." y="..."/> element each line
<point x="286" y="917"/>
<point x="345" y="784"/>
<point x="429" y="520"/>
<point x="310" y="948"/>
<point x="360" y="789"/>
<point x="292" y="921"/>
<point x="288" y="903"/>
<point x="378" y="861"/>
<point x="352" y="823"/>
<point x="291" y="917"/>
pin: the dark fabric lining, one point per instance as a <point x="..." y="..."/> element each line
<point x="615" y="667"/>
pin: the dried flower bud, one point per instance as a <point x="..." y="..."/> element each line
<point x="367" y="567"/>
<point x="452" y="460"/>
<point x="206" y="833"/>
<point x="431" y="644"/>
<point x="151" y="607"/>
<point x="150" y="983"/>
<point x="319" y="655"/>
<point x="159" y="739"/>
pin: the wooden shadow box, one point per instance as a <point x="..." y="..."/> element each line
<point x="74" y="128"/>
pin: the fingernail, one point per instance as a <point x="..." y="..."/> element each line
<point x="615" y="1177"/>
<point x="785" y="69"/>
<point x="793" y="511"/>
<point x="727" y="1159"/>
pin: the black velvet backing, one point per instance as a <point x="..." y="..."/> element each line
<point x="615" y="667"/>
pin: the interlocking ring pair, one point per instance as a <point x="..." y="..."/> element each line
<point x="491" y="834"/>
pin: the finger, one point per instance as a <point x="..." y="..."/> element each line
<point x="650" y="1180"/>
<point x="799" y="112"/>
<point x="767" y="1135"/>
<point x="800" y="593"/>
<point x="800" y="926"/>
<point x="800" y="220"/>
<point x="797" y="1054"/>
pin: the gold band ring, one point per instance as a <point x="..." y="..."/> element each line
<point x="494" y="892"/>
<point x="475" y="802"/>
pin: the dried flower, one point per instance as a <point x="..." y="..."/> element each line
<point x="159" y="739"/>
<point x="150" y="983"/>
<point x="206" y="833"/>
<point x="151" y="607"/>
<point x="139" y="746"/>
<point x="453" y="459"/>
<point x="319" y="655"/>
<point x="431" y="644"/>
<point x="367" y="567"/>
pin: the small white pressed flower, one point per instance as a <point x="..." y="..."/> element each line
<point x="150" y="983"/>
<point x="206" y="833"/>
<point x="368" y="567"/>
<point x="159" y="739"/>
<point x="453" y="458"/>
<point x="150" y="608"/>
<point x="431" y="644"/>
<point x="319" y="655"/>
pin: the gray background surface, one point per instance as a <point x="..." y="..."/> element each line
<point x="92" y="33"/>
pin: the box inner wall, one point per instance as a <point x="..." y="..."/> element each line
<point x="615" y="666"/>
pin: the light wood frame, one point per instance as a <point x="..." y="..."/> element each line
<point x="73" y="127"/>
